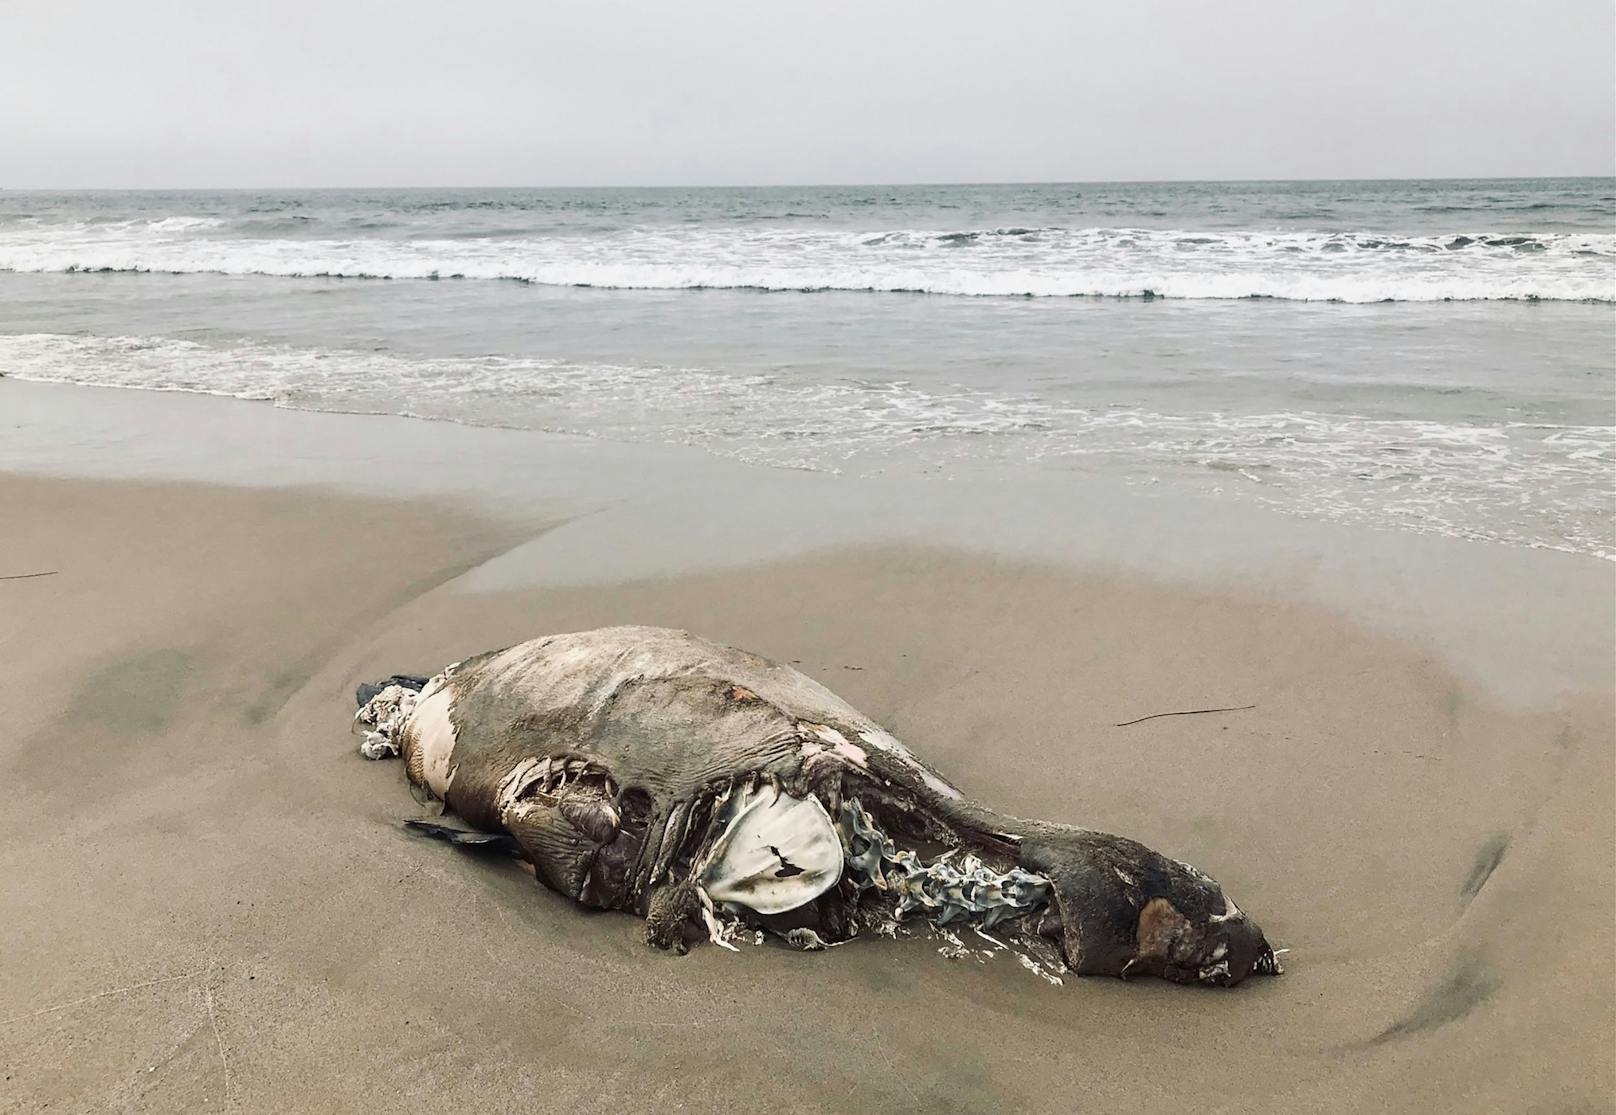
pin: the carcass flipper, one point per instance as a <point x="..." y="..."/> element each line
<point x="469" y="839"/>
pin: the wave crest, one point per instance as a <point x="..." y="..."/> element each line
<point x="990" y="262"/>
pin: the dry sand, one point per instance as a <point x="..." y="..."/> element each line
<point x="209" y="903"/>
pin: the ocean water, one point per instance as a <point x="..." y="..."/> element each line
<point x="1427" y="356"/>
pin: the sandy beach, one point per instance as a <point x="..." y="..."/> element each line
<point x="966" y="497"/>
<point x="211" y="905"/>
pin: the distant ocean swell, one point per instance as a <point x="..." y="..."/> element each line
<point x="1008" y="261"/>
<point x="1518" y="483"/>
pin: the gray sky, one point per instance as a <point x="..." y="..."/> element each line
<point x="525" y="92"/>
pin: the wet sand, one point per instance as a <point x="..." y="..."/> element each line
<point x="210" y="903"/>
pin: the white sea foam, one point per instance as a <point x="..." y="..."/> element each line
<point x="1512" y="482"/>
<point x="176" y="224"/>
<point x="1014" y="261"/>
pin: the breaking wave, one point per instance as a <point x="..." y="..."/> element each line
<point x="1022" y="261"/>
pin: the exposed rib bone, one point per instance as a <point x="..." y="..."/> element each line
<point x="672" y="838"/>
<point x="717" y="932"/>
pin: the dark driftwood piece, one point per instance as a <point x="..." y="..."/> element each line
<point x="1186" y="712"/>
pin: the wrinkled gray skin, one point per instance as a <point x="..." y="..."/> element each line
<point x="655" y="724"/>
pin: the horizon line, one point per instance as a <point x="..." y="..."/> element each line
<point x="827" y="185"/>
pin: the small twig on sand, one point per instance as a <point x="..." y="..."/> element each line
<point x="1186" y="712"/>
<point x="26" y="576"/>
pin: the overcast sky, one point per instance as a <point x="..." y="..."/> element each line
<point x="525" y="92"/>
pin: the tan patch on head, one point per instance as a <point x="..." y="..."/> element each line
<point x="1160" y="924"/>
<point x="741" y="693"/>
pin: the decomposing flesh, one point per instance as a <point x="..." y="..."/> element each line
<point x="712" y="791"/>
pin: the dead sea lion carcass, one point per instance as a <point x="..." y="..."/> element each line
<point x="709" y="790"/>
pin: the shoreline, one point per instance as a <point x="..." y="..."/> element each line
<point x="218" y="906"/>
<point x="1540" y="630"/>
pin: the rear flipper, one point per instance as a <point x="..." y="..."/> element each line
<point x="468" y="839"/>
<point x="367" y="689"/>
